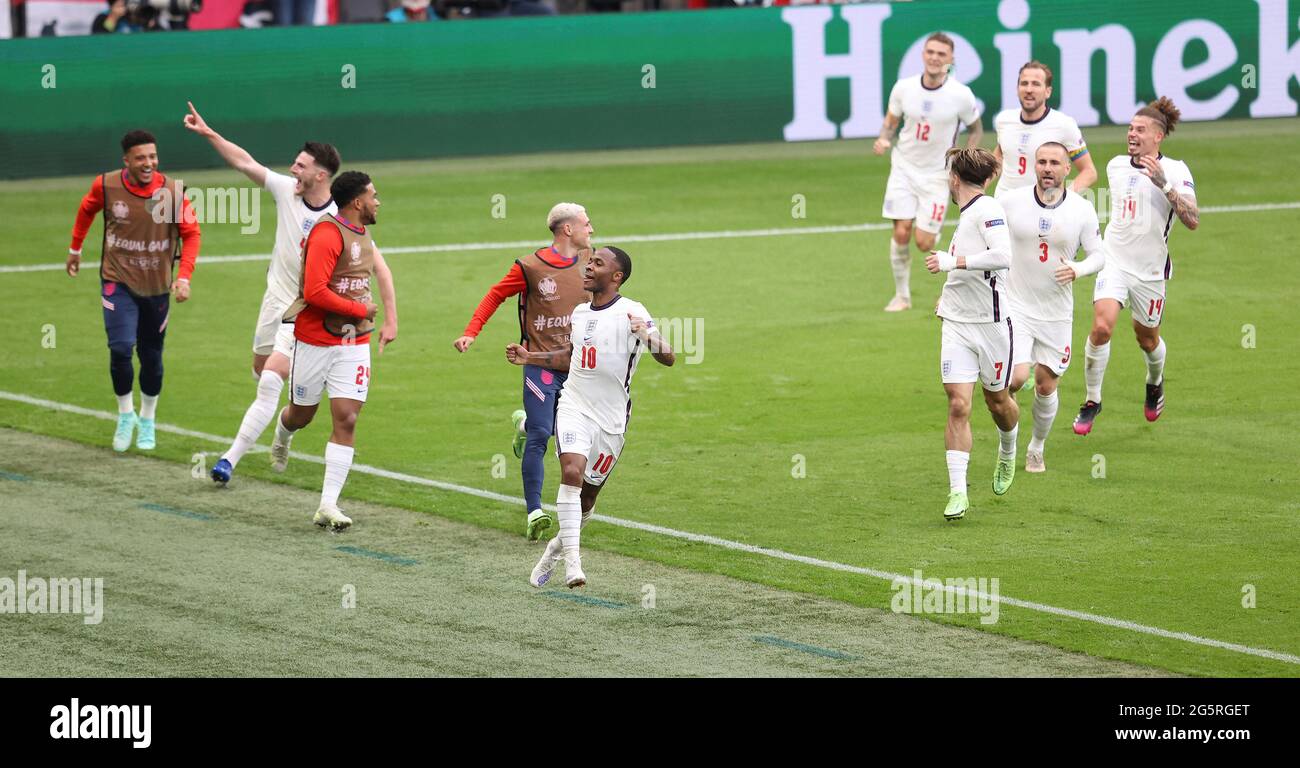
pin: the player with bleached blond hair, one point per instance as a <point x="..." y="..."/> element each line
<point x="926" y="112"/>
<point x="977" y="329"/>
<point x="548" y="283"/>
<point x="1148" y="190"/>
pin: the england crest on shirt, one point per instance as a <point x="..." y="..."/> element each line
<point x="1044" y="225"/>
<point x="927" y="106"/>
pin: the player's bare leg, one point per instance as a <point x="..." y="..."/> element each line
<point x="338" y="461"/>
<point x="1153" y="348"/>
<point x="271" y="372"/>
<point x="957" y="441"/>
<point x="900" y="260"/>
<point x="555" y="547"/>
<point x="1096" y="354"/>
<point x="1006" y="414"/>
<point x="1045" y="407"/>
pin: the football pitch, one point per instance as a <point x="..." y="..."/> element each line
<point x="771" y="485"/>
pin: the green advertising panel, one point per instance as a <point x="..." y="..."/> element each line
<point x="622" y="80"/>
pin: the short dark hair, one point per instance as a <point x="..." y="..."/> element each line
<point x="623" y="261"/>
<point x="136" y="138"/>
<point x="1056" y="144"/>
<point x="1036" y="64"/>
<point x="348" y="187"/>
<point x="325" y="155"/>
<point x="940" y="37"/>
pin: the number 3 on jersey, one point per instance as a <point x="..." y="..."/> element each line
<point x="587" y="358"/>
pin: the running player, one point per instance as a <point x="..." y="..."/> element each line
<point x="596" y="403"/>
<point x="977" y="331"/>
<point x="334" y="316"/>
<point x="1022" y="131"/>
<point x="932" y="107"/>
<point x="135" y="275"/>
<point x="301" y="198"/>
<point x="549" y="284"/>
<point x="1148" y="190"/>
<point x="1048" y="227"/>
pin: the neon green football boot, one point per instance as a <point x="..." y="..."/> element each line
<point x="957" y="506"/>
<point x="521" y="432"/>
<point x="1003" y="474"/>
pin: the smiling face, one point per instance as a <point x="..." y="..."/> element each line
<point x="367" y="205"/>
<point x="937" y="57"/>
<point x="307" y="173"/>
<point x="600" y="272"/>
<point x="141" y="161"/>
<point x="1144" y="136"/>
<point x="1033" y="90"/>
<point x="1052" y="166"/>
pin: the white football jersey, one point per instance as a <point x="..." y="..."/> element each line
<point x="1020" y="140"/>
<point x="1137" y="237"/>
<point x="932" y="118"/>
<point x="294" y="219"/>
<point x="1042" y="238"/>
<point x="605" y="354"/>
<point x="978" y="295"/>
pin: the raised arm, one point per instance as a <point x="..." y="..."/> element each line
<point x="1184" y="206"/>
<point x="659" y="349"/>
<point x="1087" y="172"/>
<point x="556" y="360"/>
<point x="234" y="155"/>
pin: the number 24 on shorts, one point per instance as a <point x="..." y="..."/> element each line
<point x="363" y="375"/>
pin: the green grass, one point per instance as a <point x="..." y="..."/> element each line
<point x="799" y="362"/>
<point x="199" y="580"/>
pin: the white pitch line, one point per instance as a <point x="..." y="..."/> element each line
<point x="725" y="234"/>
<point x="703" y="539"/>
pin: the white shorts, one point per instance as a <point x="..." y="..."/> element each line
<point x="272" y="333"/>
<point x="974" y="352"/>
<point x="1145" y="299"/>
<point x="342" y="369"/>
<point x="1043" y="342"/>
<point x="909" y="196"/>
<point x="575" y="432"/>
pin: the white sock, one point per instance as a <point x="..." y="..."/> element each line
<point x="1156" y="364"/>
<point x="338" y="460"/>
<point x="957" y="461"/>
<point x="124" y="403"/>
<point x="149" y="404"/>
<point x="1007" y="443"/>
<point x="555" y="546"/>
<point x="900" y="259"/>
<point x="1094" y="368"/>
<point x="282" y="433"/>
<point x="257" y="417"/>
<point x="568" y="505"/>
<point x="1044" y="415"/>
